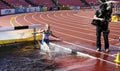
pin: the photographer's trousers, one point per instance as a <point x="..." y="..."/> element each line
<point x="102" y="28"/>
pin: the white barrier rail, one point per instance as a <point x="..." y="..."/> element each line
<point x="19" y="27"/>
<point x="7" y="29"/>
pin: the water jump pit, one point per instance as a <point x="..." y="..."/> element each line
<point x="23" y="57"/>
<point x="66" y="59"/>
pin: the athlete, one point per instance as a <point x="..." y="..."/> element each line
<point x="46" y="33"/>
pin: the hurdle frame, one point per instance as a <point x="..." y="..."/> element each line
<point x="11" y="28"/>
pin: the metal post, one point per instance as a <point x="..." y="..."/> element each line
<point x="34" y="38"/>
<point x="119" y="47"/>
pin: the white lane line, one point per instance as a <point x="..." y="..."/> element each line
<point x="66" y="21"/>
<point x="114" y="54"/>
<point x="92" y="18"/>
<point x="68" y="50"/>
<point x="25" y="18"/>
<point x="86" y="48"/>
<point x="87" y="54"/>
<point x="68" y="34"/>
<point x="62" y="33"/>
<point x="73" y="16"/>
<point x="71" y="29"/>
<point x="110" y="39"/>
<point x="82" y="24"/>
<point x="68" y="29"/>
<point x="16" y="20"/>
<point x="93" y="51"/>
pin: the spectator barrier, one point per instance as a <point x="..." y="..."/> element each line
<point x="37" y="9"/>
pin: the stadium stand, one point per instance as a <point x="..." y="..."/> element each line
<point x="93" y="2"/>
<point x="47" y="3"/>
<point x="70" y="2"/>
<point x="17" y="3"/>
<point x="2" y="5"/>
<point x="6" y="3"/>
<point x="31" y="3"/>
<point x="56" y="2"/>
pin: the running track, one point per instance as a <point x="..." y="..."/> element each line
<point x="75" y="31"/>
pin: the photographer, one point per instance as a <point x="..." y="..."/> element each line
<point x="102" y="17"/>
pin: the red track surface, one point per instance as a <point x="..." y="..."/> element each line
<point x="76" y="32"/>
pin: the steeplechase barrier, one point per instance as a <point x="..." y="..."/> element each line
<point x="19" y="34"/>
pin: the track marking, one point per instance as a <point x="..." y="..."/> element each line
<point x="27" y="20"/>
<point x="92" y="18"/>
<point x="93" y="51"/>
<point x="69" y="29"/>
<point x="68" y="34"/>
<point x="83" y="47"/>
<point x="17" y="21"/>
<point x="90" y="27"/>
<point x="12" y="21"/>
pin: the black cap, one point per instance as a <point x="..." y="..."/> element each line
<point x="103" y="6"/>
<point x="103" y="1"/>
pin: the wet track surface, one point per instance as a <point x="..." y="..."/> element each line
<point x="23" y="57"/>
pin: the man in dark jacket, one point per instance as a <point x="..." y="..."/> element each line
<point x="102" y="16"/>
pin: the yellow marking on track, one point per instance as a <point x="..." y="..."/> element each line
<point x="12" y="21"/>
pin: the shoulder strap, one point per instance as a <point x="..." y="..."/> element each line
<point x="100" y="13"/>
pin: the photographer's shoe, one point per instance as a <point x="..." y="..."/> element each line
<point x="98" y="50"/>
<point x="106" y="50"/>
